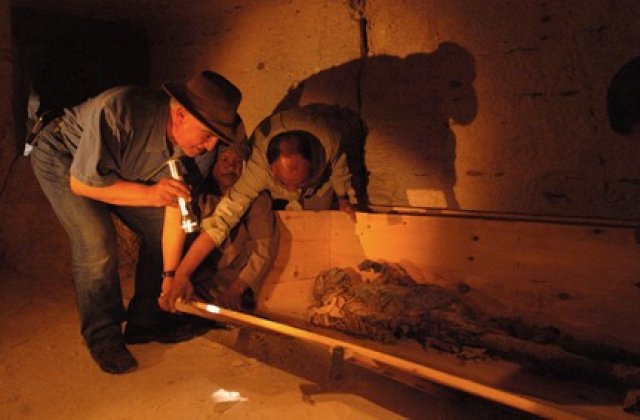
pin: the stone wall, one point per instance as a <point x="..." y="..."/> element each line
<point x="497" y="106"/>
<point x="7" y="141"/>
<point x="494" y="106"/>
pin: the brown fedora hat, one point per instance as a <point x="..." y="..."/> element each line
<point x="214" y="101"/>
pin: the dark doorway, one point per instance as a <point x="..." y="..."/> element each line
<point x="61" y="60"/>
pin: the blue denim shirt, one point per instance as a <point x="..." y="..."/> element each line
<point x="121" y="134"/>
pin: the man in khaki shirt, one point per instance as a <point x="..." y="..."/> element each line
<point x="231" y="274"/>
<point x="297" y="157"/>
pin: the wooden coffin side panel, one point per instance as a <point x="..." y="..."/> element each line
<point x="303" y="252"/>
<point x="582" y="279"/>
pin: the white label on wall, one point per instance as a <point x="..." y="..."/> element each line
<point x="426" y="198"/>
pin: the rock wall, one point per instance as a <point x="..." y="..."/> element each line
<point x="494" y="106"/>
<point x="7" y="141"/>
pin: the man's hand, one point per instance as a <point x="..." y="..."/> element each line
<point x="174" y="288"/>
<point x="167" y="191"/>
<point x="232" y="297"/>
<point x="345" y="206"/>
<point x="180" y="286"/>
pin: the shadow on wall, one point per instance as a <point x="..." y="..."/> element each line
<point x="400" y="111"/>
<point x="60" y="60"/>
<point x="623" y="98"/>
<point x="623" y="108"/>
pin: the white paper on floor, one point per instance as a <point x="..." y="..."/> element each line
<point x="224" y="399"/>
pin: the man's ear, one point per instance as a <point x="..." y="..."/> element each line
<point x="181" y="113"/>
<point x="177" y="113"/>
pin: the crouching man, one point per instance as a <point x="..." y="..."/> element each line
<point x="231" y="274"/>
<point x="297" y="157"/>
<point x="108" y="156"/>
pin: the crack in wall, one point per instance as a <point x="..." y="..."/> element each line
<point x="359" y="7"/>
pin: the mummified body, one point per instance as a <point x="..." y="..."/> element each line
<point x="392" y="305"/>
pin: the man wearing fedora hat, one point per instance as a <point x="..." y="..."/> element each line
<point x="108" y="156"/>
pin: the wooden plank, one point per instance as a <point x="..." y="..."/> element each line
<point x="489" y="215"/>
<point x="524" y="403"/>
<point x="582" y="279"/>
<point x="566" y="275"/>
<point x="302" y="254"/>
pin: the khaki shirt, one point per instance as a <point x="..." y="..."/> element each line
<point x="247" y="254"/>
<point x="331" y="173"/>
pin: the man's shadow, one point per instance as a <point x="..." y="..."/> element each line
<point x="623" y="109"/>
<point x="395" y="115"/>
<point x="623" y="98"/>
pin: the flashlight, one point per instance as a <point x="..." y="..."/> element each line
<point x="189" y="221"/>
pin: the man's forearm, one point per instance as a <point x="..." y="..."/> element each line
<point x="172" y="239"/>
<point x="341" y="179"/>
<point x="123" y="193"/>
<point x="126" y="193"/>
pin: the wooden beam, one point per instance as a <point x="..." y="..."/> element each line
<point x="581" y="279"/>
<point x="523" y="403"/>
<point x="507" y="217"/>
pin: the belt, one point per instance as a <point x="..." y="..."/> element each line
<point x="45" y="120"/>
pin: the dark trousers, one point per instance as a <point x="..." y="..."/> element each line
<point x="94" y="250"/>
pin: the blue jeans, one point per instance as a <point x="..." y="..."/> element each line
<point x="94" y="255"/>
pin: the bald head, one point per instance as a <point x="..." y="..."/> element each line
<point x="289" y="160"/>
<point x="292" y="171"/>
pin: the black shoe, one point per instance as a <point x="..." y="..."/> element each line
<point x="137" y="334"/>
<point x="113" y="358"/>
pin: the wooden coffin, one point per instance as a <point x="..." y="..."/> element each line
<point x="582" y="277"/>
